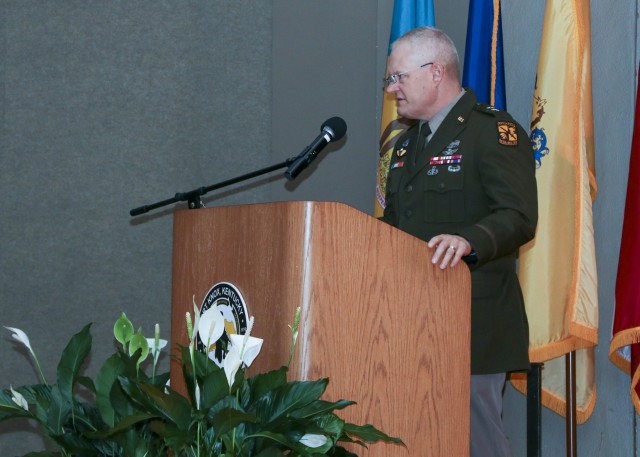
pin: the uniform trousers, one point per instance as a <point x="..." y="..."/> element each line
<point x="487" y="438"/>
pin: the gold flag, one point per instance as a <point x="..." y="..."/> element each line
<point x="557" y="269"/>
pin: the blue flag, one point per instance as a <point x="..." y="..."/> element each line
<point x="483" y="60"/>
<point x="407" y="15"/>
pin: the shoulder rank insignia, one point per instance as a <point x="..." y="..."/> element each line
<point x="507" y="133"/>
<point x="487" y="109"/>
<point x="401" y="152"/>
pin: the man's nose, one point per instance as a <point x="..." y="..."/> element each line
<point x="391" y="88"/>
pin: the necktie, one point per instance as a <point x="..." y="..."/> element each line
<point x="425" y="131"/>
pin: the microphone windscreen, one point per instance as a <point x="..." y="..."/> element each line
<point x="337" y="125"/>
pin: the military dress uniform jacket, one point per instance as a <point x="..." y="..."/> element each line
<point x="476" y="179"/>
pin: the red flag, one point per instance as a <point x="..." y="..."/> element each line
<point x="624" y="350"/>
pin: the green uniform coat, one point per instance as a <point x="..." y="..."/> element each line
<point x="476" y="179"/>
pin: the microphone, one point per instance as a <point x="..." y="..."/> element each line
<point x="332" y="130"/>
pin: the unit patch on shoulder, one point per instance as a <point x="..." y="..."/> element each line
<point x="507" y="134"/>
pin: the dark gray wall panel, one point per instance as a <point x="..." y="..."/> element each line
<point x="108" y="106"/>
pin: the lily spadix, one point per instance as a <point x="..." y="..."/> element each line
<point x="156" y="344"/>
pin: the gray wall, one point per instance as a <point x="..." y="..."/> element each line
<point x="108" y="106"/>
<point x="111" y="105"/>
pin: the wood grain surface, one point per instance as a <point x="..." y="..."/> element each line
<point x="389" y="330"/>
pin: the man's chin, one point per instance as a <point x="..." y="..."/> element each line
<point x="404" y="113"/>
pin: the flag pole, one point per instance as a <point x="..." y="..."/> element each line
<point x="570" y="386"/>
<point x="534" y="410"/>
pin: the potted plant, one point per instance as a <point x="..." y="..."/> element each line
<point x="132" y="413"/>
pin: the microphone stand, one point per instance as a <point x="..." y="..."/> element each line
<point x="193" y="196"/>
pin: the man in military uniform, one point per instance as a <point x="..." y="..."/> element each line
<point x="463" y="179"/>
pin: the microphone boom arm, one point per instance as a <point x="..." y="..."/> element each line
<point x="332" y="129"/>
<point x="193" y="196"/>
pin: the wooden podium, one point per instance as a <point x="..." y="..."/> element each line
<point x="389" y="330"/>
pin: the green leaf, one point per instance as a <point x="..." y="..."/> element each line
<point x="58" y="411"/>
<point x="174" y="438"/>
<point x="279" y="438"/>
<point x="123" y="330"/>
<point x="87" y="382"/>
<point x="12" y="412"/>
<point x="213" y="389"/>
<point x="288" y="398"/>
<point x="339" y="451"/>
<point x="187" y="373"/>
<point x="321" y="407"/>
<point x="72" y="358"/>
<point x="75" y="444"/>
<point x="330" y="424"/>
<point x="369" y="433"/>
<point x="172" y="406"/>
<point x="204" y="365"/>
<point x="123" y="425"/>
<point x="262" y="383"/>
<point x="107" y="377"/>
<point x="229" y="418"/>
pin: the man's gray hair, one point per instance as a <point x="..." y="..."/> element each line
<point x="433" y="45"/>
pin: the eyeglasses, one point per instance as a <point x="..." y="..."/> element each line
<point x="392" y="79"/>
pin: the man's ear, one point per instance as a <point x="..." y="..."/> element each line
<point x="437" y="72"/>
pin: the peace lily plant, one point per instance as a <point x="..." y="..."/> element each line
<point x="127" y="412"/>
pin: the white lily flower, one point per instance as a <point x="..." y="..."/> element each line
<point x="231" y="364"/>
<point x="18" y="399"/>
<point x="210" y="326"/>
<point x="155" y="350"/>
<point x="313" y="440"/>
<point x="249" y="347"/>
<point x="20" y="336"/>
<point x="244" y="349"/>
